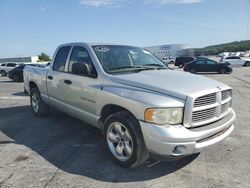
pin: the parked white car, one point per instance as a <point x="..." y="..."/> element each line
<point x="236" y="61"/>
<point x="168" y="60"/>
<point x="6" y="67"/>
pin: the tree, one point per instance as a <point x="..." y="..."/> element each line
<point x="44" y="57"/>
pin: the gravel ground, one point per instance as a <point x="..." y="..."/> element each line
<point x="60" y="151"/>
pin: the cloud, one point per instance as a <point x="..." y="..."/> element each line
<point x="42" y="9"/>
<point x="163" y="2"/>
<point x="119" y="3"/>
<point x="99" y="3"/>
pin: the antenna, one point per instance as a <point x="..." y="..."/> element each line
<point x="247" y="31"/>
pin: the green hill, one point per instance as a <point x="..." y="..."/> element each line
<point x="236" y="46"/>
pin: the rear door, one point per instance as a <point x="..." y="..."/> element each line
<point x="10" y="66"/>
<point x="234" y="61"/>
<point x="56" y="76"/>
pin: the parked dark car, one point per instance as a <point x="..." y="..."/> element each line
<point x="16" y="74"/>
<point x="181" y="61"/>
<point x="207" y="65"/>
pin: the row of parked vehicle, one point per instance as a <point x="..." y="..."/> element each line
<point x="15" y="70"/>
<point x="204" y="64"/>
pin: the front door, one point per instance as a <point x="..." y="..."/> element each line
<point x="211" y="66"/>
<point x="81" y="91"/>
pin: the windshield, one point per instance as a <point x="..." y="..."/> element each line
<point x="122" y="59"/>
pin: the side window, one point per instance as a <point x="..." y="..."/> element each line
<point x="61" y="58"/>
<point x="80" y="55"/>
<point x="11" y="65"/>
<point x="201" y="62"/>
<point x="211" y="62"/>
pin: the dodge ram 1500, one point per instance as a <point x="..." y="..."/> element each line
<point x="142" y="107"/>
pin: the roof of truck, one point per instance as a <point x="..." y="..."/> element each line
<point x="94" y="44"/>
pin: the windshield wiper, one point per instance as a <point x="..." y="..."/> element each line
<point x="158" y="66"/>
<point x="130" y="68"/>
<point x="125" y="67"/>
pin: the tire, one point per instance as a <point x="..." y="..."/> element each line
<point x="223" y="71"/>
<point x="121" y="131"/>
<point x="192" y="70"/>
<point x="247" y="64"/>
<point x="181" y="66"/>
<point x="3" y="73"/>
<point x="38" y="107"/>
<point x="15" y="78"/>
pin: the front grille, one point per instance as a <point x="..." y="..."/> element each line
<point x="210" y="107"/>
<point x="205" y="100"/>
<point x="225" y="94"/>
<point x="203" y="115"/>
<point x="225" y="107"/>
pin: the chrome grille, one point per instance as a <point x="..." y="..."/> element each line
<point x="225" y="94"/>
<point x="203" y="115"/>
<point x="225" y="107"/>
<point x="205" y="100"/>
<point x="209" y="108"/>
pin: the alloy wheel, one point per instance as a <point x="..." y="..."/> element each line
<point x="119" y="141"/>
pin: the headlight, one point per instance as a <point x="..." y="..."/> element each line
<point x="171" y="116"/>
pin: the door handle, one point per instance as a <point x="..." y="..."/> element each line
<point x="67" y="82"/>
<point x="50" y="77"/>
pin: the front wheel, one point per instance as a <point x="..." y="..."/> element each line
<point x="124" y="140"/>
<point x="223" y="71"/>
<point x="3" y="73"/>
<point x="38" y="107"/>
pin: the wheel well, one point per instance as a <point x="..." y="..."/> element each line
<point x="32" y="85"/>
<point x="110" y="109"/>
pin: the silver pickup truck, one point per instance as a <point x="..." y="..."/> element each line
<point x="142" y="107"/>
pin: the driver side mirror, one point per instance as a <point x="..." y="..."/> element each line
<point x="81" y="69"/>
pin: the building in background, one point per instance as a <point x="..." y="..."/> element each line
<point x="32" y="59"/>
<point x="167" y="51"/>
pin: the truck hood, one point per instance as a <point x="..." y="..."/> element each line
<point x="175" y="83"/>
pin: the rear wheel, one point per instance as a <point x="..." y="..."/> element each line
<point x="247" y="64"/>
<point x="223" y="71"/>
<point x="16" y="78"/>
<point x="3" y="73"/>
<point x="124" y="141"/>
<point x="192" y="70"/>
<point x="181" y="66"/>
<point x="39" y="108"/>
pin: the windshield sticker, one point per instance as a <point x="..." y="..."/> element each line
<point x="146" y="52"/>
<point x="102" y="49"/>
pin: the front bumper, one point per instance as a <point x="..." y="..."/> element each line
<point x="180" y="141"/>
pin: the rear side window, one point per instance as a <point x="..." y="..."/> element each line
<point x="61" y="58"/>
<point x="11" y="65"/>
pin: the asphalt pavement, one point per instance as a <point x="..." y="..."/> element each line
<point x="61" y="151"/>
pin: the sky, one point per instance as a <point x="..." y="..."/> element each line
<point x="29" y="27"/>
